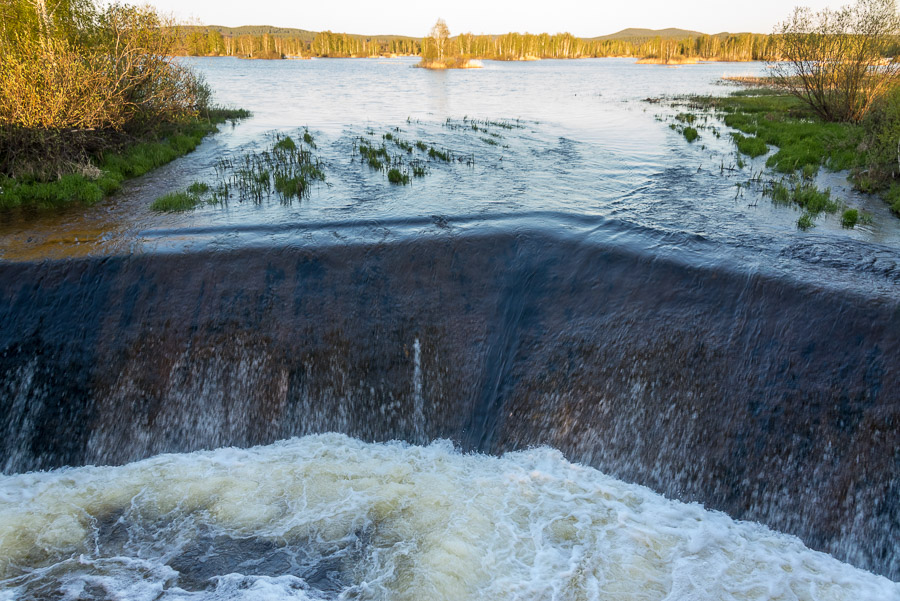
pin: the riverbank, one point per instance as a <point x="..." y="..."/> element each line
<point x="108" y="158"/>
<point x="804" y="143"/>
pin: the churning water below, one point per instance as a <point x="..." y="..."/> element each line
<point x="588" y="281"/>
<point x="329" y="517"/>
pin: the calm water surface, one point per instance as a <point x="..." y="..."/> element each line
<point x="591" y="156"/>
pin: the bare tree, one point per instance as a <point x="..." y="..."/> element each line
<point x="838" y="61"/>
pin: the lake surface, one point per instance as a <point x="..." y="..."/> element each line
<point x="590" y="153"/>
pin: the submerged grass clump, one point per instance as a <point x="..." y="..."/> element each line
<point x="401" y="160"/>
<point x="402" y="165"/>
<point x="893" y="199"/>
<point x="850" y="218"/>
<point x="375" y="157"/>
<point x="185" y="200"/>
<point x="443" y="155"/>
<point x="690" y="134"/>
<point x="804" y="194"/>
<point x="285" y="144"/>
<point x="176" y="202"/>
<point x="283" y="169"/>
<point x="198" y="188"/>
<point x="395" y="176"/>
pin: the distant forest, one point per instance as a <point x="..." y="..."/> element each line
<point x="271" y="42"/>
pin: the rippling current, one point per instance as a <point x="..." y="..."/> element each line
<point x="327" y="517"/>
<point x="590" y="147"/>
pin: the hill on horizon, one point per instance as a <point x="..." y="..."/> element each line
<point x="633" y="33"/>
<point x="289" y="32"/>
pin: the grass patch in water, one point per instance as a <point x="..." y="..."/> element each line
<point x="198" y="188"/>
<point x="804" y="194"/>
<point x="286" y="144"/>
<point x="690" y="134"/>
<point x="395" y="176"/>
<point x="283" y="169"/>
<point x="443" y="155"/>
<point x="805" y="222"/>
<point x="783" y="121"/>
<point x="176" y="202"/>
<point x="804" y="143"/>
<point x="850" y="218"/>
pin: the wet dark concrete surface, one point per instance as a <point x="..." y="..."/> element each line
<point x="771" y="399"/>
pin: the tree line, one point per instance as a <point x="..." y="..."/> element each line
<point x="200" y="41"/>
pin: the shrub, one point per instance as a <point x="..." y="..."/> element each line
<point x="832" y="60"/>
<point x="116" y="72"/>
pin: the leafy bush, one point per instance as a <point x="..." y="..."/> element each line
<point x="114" y="71"/>
<point x="832" y="60"/>
<point x="882" y="139"/>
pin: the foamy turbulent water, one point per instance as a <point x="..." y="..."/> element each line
<point x="330" y="517"/>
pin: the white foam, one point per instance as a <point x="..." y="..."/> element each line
<point x="393" y="521"/>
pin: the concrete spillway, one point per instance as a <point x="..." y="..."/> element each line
<point x="768" y="398"/>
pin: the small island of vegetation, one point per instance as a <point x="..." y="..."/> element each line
<point x="438" y="52"/>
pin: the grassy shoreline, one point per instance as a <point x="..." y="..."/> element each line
<point x="803" y="143"/>
<point x="106" y="170"/>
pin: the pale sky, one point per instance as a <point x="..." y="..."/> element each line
<point x="584" y="18"/>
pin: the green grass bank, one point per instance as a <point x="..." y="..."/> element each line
<point x="111" y="158"/>
<point x="803" y="143"/>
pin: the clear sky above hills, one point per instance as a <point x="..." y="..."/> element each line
<point x="584" y="18"/>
